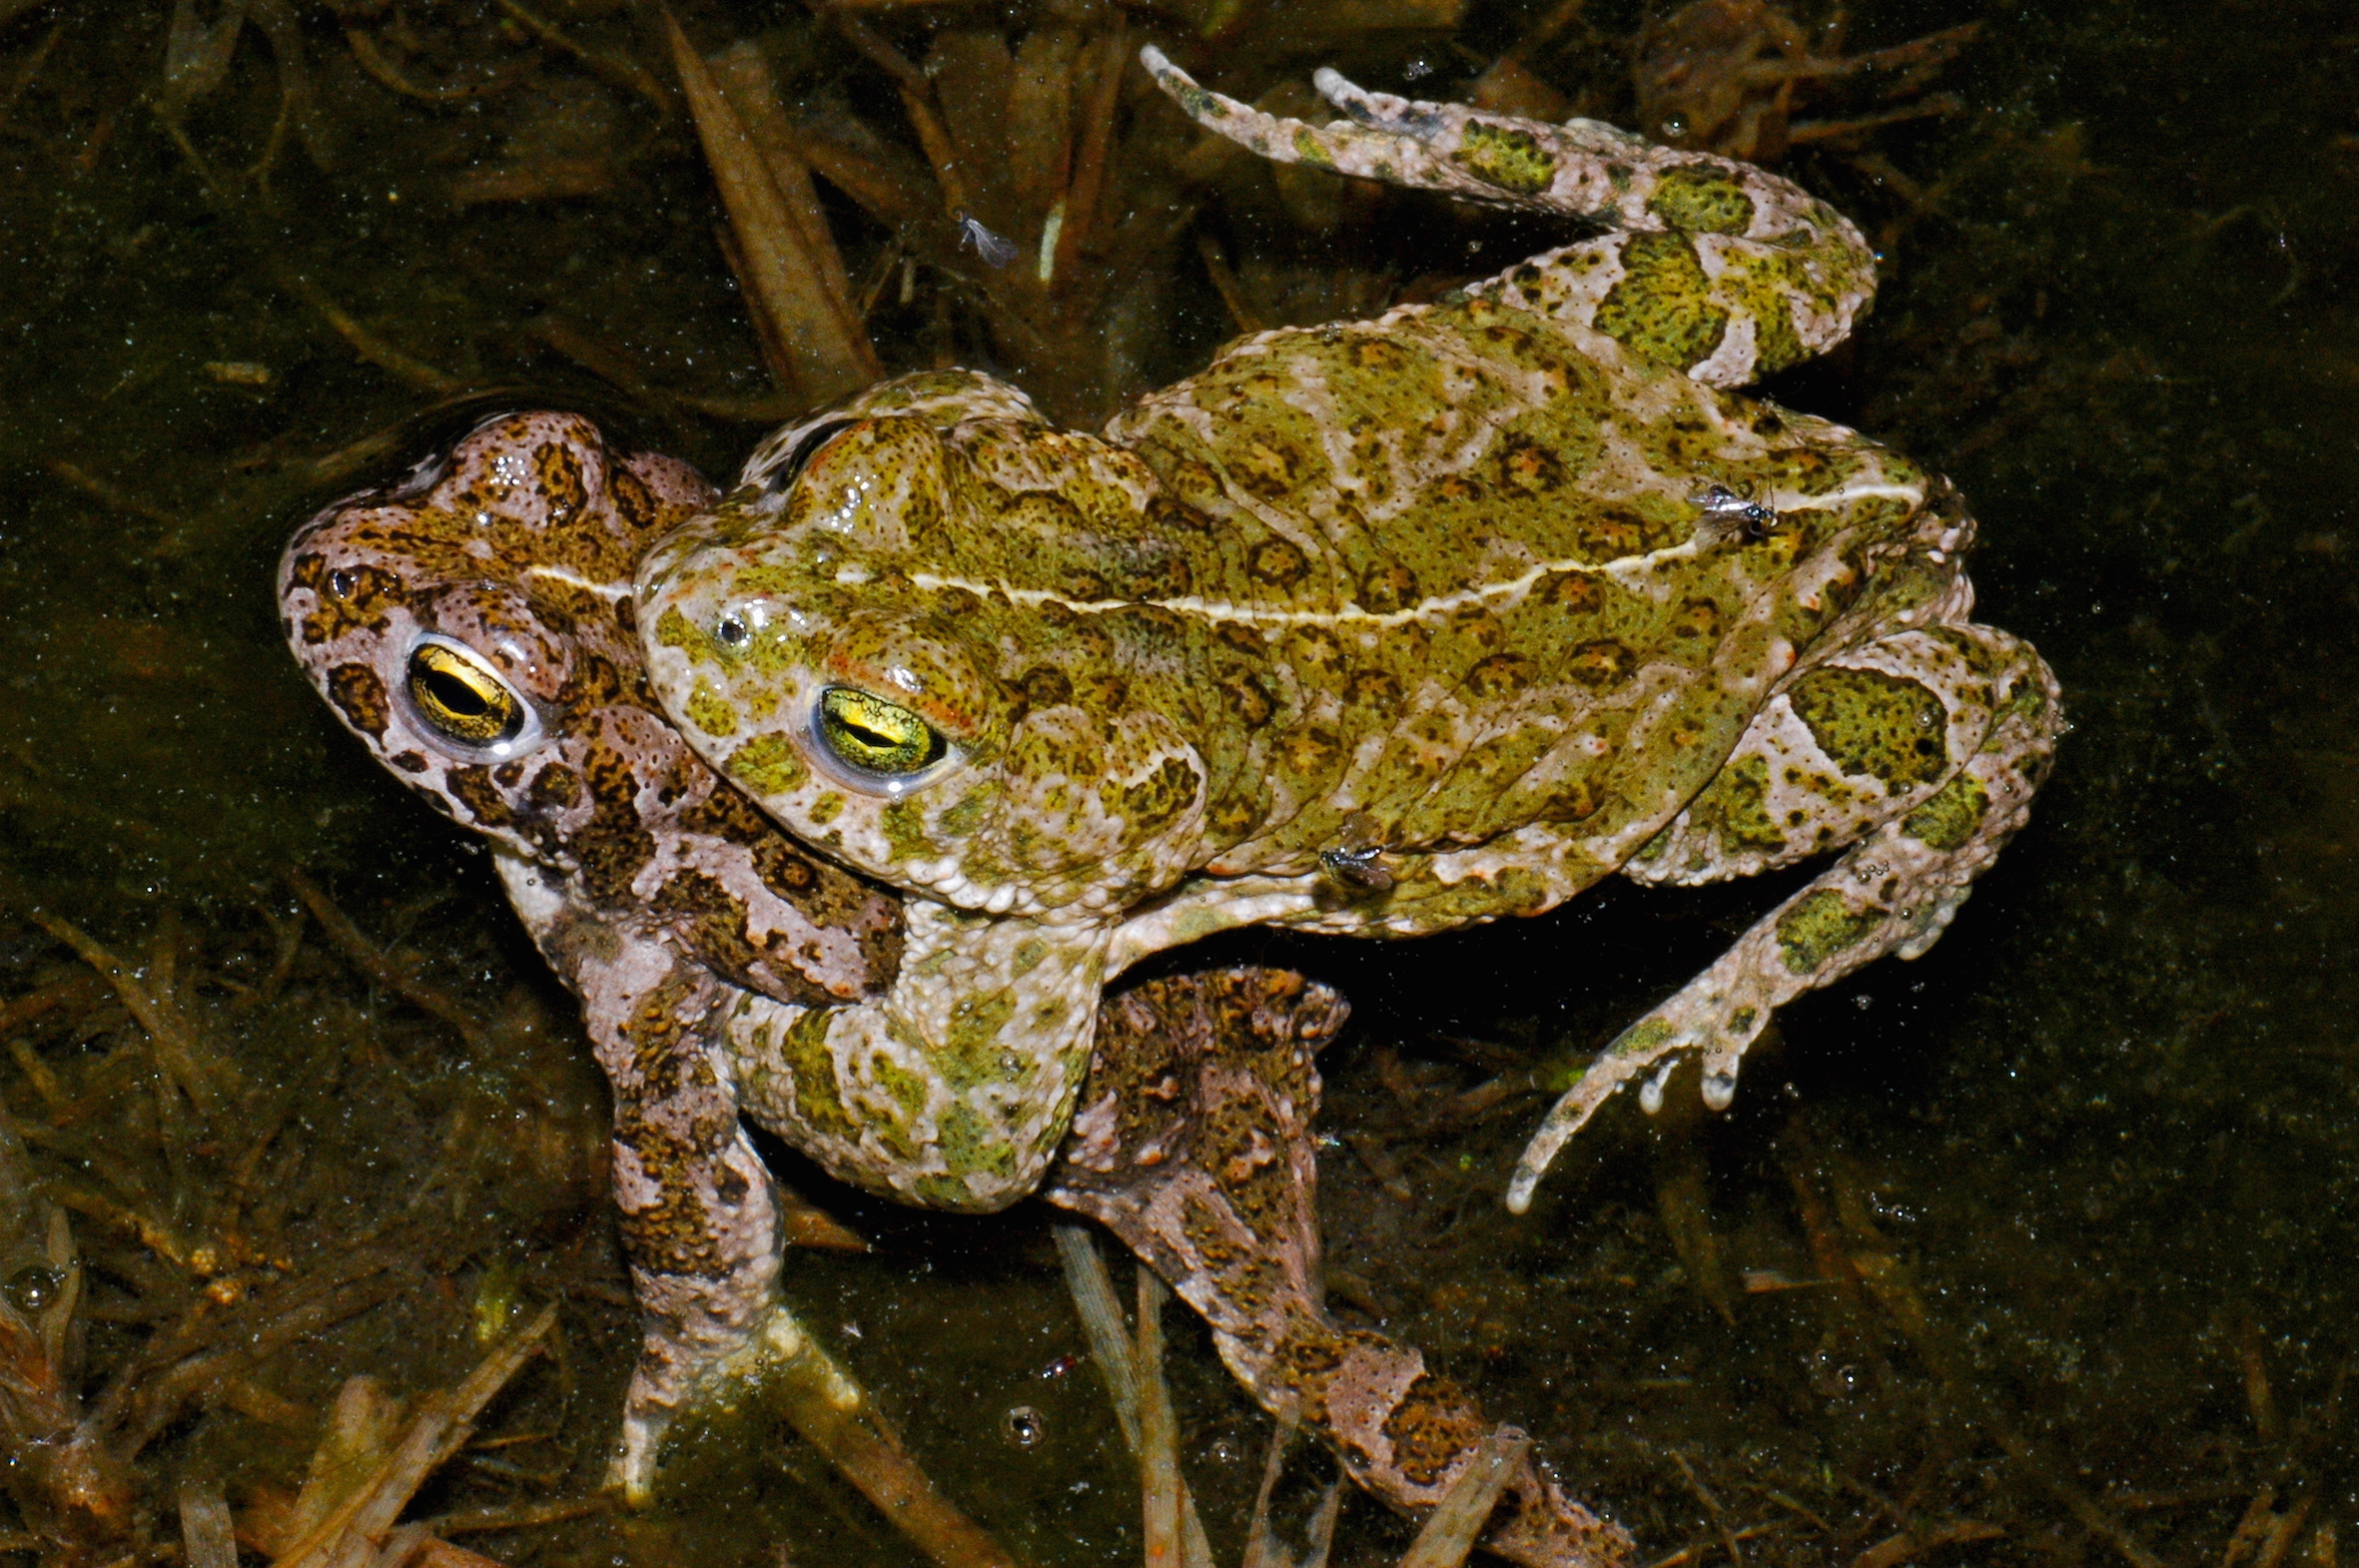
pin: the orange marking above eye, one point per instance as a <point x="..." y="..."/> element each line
<point x="926" y="698"/>
<point x="945" y="699"/>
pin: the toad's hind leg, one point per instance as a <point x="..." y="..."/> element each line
<point x="1714" y="268"/>
<point x="1194" y="1146"/>
<point x="1834" y="757"/>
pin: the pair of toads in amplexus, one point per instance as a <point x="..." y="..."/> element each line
<point x="844" y="797"/>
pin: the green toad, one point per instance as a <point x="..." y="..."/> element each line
<point x="1380" y="628"/>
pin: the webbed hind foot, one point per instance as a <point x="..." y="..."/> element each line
<point x="1715" y="268"/>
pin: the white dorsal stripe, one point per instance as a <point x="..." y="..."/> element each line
<point x="1620" y="567"/>
<point x="611" y="592"/>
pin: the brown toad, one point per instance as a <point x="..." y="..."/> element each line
<point x="471" y="625"/>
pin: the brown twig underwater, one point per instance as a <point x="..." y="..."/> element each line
<point x="397" y="974"/>
<point x="819" y="347"/>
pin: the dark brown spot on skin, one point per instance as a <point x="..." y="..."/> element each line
<point x="408" y="761"/>
<point x="1043" y="686"/>
<point x="1696" y="618"/>
<point x="1148" y="630"/>
<point x="346" y="599"/>
<point x="1433" y="1424"/>
<point x="1269" y="471"/>
<point x="474" y="790"/>
<point x="1194" y="480"/>
<point x="1254" y="702"/>
<point x="1245" y="639"/>
<point x="1528" y="468"/>
<point x="595" y="682"/>
<point x="509" y="774"/>
<point x="1500" y="676"/>
<point x="784" y="871"/>
<point x="1571" y="801"/>
<point x="360" y="697"/>
<point x="1388" y="587"/>
<point x="552" y="616"/>
<point x="1278" y="562"/>
<point x="1242" y="1147"/>
<point x="1580" y="594"/>
<point x="1513" y="342"/>
<point x="557" y="788"/>
<point x="1103" y="695"/>
<point x="613" y="846"/>
<point x="1614" y="533"/>
<point x="1315" y="648"/>
<point x="1372" y="686"/>
<point x="1164" y="513"/>
<point x="561" y="482"/>
<point x="712" y="920"/>
<point x="1156" y="801"/>
<point x="1308" y="1360"/>
<point x="1601" y="663"/>
<point x="634" y="502"/>
<point x="1154" y="573"/>
<point x="1478" y="627"/>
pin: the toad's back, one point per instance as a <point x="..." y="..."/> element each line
<point x="1379" y="627"/>
<point x="1414" y="581"/>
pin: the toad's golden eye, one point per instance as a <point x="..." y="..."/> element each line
<point x="462" y="697"/>
<point x="877" y="736"/>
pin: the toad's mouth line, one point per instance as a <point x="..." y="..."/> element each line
<point x="1511" y="588"/>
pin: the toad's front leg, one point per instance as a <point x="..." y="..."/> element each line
<point x="699" y="1214"/>
<point x="1922" y="749"/>
<point x="952" y="1090"/>
<point x="699" y="1222"/>
<point x="700" y="1228"/>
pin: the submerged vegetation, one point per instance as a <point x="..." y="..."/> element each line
<point x="2038" y="1251"/>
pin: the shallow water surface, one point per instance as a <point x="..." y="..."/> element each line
<point x="2037" y="1249"/>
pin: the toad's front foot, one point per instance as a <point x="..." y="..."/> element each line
<point x="1703" y="1021"/>
<point x="707" y="1291"/>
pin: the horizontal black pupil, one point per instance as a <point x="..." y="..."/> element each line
<point x="456" y="694"/>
